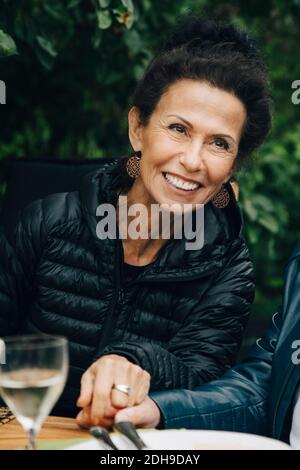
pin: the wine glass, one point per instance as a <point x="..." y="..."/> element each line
<point x="32" y="377"/>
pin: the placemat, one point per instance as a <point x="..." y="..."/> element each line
<point x="5" y="415"/>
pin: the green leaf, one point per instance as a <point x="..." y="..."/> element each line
<point x="250" y="210"/>
<point x="253" y="236"/>
<point x="7" y="45"/>
<point x="46" y="46"/>
<point x="269" y="222"/>
<point x="45" y="59"/>
<point x="73" y="3"/>
<point x="263" y="202"/>
<point x="97" y="38"/>
<point x="128" y="5"/>
<point x="134" y="41"/>
<point x="54" y="11"/>
<point x="138" y="71"/>
<point x="104" y="19"/>
<point x="104" y="3"/>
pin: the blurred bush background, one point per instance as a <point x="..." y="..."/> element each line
<point x="70" y="68"/>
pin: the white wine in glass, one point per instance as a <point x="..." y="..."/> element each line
<point x="32" y="377"/>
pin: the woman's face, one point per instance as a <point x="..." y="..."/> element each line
<point x="189" y="146"/>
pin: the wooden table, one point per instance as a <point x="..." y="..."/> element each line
<point x="12" y="435"/>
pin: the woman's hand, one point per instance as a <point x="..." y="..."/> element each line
<point x="98" y="397"/>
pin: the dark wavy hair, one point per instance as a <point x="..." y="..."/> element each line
<point x="224" y="57"/>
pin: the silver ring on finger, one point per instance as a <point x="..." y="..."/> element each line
<point x="123" y="388"/>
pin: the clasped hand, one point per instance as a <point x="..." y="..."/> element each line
<point x="99" y="400"/>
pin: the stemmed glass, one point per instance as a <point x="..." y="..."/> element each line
<point x="33" y="373"/>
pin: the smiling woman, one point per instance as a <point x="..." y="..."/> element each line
<point x="191" y="140"/>
<point x="200" y="109"/>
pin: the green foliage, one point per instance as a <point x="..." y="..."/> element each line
<point x="7" y="45"/>
<point x="71" y="67"/>
<point x="270" y="199"/>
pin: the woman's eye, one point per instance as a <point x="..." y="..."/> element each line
<point x="178" y="127"/>
<point x="222" y="144"/>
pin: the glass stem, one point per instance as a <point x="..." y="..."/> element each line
<point x="31" y="444"/>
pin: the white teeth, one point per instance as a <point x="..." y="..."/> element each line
<point x="181" y="184"/>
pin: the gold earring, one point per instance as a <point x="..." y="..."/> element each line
<point x="133" y="164"/>
<point x="221" y="199"/>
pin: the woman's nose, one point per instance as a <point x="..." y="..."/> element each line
<point x="193" y="158"/>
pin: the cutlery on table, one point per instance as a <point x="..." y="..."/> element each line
<point x="128" y="429"/>
<point x="102" y="435"/>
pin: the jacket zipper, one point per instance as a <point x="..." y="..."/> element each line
<point x="117" y="300"/>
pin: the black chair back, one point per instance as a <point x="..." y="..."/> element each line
<point x="29" y="180"/>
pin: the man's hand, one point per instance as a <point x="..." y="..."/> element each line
<point x="99" y="400"/>
<point x="145" y="415"/>
<point x="84" y="418"/>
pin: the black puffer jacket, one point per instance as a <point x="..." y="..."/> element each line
<point x="181" y="320"/>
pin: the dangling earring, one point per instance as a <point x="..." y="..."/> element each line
<point x="221" y="199"/>
<point x="133" y="164"/>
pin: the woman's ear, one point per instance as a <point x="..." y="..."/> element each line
<point x="135" y="128"/>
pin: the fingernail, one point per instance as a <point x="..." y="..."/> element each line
<point x="122" y="416"/>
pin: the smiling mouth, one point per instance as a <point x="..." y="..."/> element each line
<point x="181" y="184"/>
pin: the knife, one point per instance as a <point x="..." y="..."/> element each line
<point x="102" y="435"/>
<point x="128" y="429"/>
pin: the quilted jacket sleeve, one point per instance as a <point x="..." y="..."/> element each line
<point x="19" y="250"/>
<point x="208" y="342"/>
<point x="237" y="402"/>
